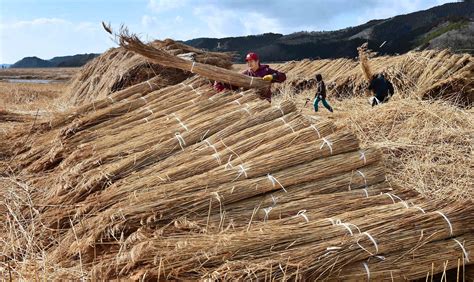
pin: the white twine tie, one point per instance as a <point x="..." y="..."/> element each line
<point x="362" y="156"/>
<point x="366" y="266"/>
<point x="373" y="241"/>
<point x="366" y="192"/>
<point x="315" y="129"/>
<point x="419" y="208"/>
<point x="241" y="170"/>
<point x="251" y="80"/>
<point x="110" y="98"/>
<point x="237" y="101"/>
<point x="466" y="255"/>
<point x="327" y="142"/>
<point x="274" y="180"/>
<point x="228" y="165"/>
<point x="287" y="124"/>
<point x="180" y="122"/>
<point x="390" y="196"/>
<point x="401" y="201"/>
<point x="363" y="176"/>
<point x="192" y="67"/>
<point x="274" y="200"/>
<point x="180" y="140"/>
<point x="149" y="84"/>
<point x="216" y="154"/>
<point x="267" y="212"/>
<point x="143" y="98"/>
<point x="246" y="110"/>
<point x="282" y="112"/>
<point x="302" y="214"/>
<point x="447" y="220"/>
<point x="145" y="119"/>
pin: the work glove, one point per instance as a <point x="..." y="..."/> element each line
<point x="268" y="77"/>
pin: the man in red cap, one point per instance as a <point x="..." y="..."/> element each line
<point x="255" y="69"/>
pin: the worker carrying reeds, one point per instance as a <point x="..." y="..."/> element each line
<point x="382" y="88"/>
<point x="256" y="69"/>
<point x="320" y="95"/>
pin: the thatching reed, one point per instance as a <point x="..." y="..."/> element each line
<point x="421" y="262"/>
<point x="117" y="69"/>
<point x="133" y="43"/>
<point x="426" y="74"/>
<point x="427" y="144"/>
<point x="178" y="182"/>
<point x="11" y="116"/>
<point x="364" y="62"/>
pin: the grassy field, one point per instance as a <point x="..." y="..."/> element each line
<point x="31" y="96"/>
<point x="62" y="74"/>
<point x="427" y="144"/>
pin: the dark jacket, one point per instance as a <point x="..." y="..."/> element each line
<point x="381" y="87"/>
<point x="321" y="90"/>
<point x="262" y="71"/>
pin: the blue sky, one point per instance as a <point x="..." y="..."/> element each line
<point x="51" y="28"/>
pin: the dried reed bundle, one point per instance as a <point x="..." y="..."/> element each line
<point x="10" y="116"/>
<point x="312" y="196"/>
<point x="118" y="69"/>
<point x="133" y="43"/>
<point x="364" y="62"/>
<point x="295" y="249"/>
<point x="414" y="73"/>
<point x="423" y="261"/>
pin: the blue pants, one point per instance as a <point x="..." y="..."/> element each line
<point x="325" y="104"/>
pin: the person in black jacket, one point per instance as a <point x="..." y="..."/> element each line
<point x="382" y="88"/>
<point x="320" y="94"/>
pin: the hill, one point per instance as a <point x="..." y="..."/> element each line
<point x="64" y="61"/>
<point x="32" y="62"/>
<point x="420" y="30"/>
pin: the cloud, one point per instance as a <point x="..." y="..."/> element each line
<point x="34" y="23"/>
<point x="148" y="21"/>
<point x="225" y="22"/>
<point x="328" y="15"/>
<point x="178" y="19"/>
<point x="159" y="6"/>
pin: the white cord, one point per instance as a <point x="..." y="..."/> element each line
<point x="327" y="142"/>
<point x="274" y="180"/>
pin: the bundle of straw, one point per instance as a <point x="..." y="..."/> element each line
<point x="133" y="43"/>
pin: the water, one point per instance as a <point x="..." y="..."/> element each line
<point x="18" y="80"/>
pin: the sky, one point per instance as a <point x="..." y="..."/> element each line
<point x="49" y="28"/>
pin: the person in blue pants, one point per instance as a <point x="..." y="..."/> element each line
<point x="321" y="94"/>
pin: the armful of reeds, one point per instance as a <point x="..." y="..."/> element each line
<point x="132" y="43"/>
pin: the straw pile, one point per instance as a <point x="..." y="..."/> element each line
<point x="177" y="182"/>
<point x="118" y="69"/>
<point x="11" y="116"/>
<point x="427" y="74"/>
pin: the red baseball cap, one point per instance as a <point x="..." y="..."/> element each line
<point x="251" y="57"/>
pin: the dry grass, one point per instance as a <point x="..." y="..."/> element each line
<point x="60" y="74"/>
<point x="179" y="183"/>
<point x="31" y="96"/>
<point x="427" y="144"/>
<point x="118" y="69"/>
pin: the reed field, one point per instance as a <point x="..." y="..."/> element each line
<point x="57" y="74"/>
<point x="137" y="169"/>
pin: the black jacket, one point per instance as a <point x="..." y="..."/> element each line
<point x="381" y="87"/>
<point x="321" y="90"/>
